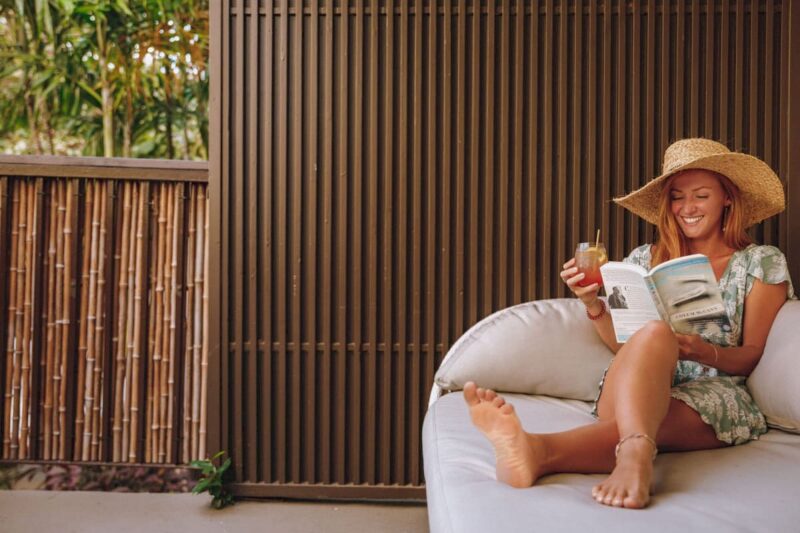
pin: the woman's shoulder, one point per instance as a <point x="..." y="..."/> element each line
<point x="757" y="252"/>
<point x="760" y="257"/>
<point x="766" y="263"/>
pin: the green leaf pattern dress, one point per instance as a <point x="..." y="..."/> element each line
<point x="723" y="401"/>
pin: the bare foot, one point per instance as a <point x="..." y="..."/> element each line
<point x="629" y="484"/>
<point x="519" y="456"/>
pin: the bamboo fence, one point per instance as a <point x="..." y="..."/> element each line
<point x="104" y="301"/>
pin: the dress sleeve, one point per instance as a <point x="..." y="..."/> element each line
<point x="768" y="264"/>
<point x="639" y="256"/>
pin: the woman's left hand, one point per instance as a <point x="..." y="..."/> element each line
<point x="692" y="347"/>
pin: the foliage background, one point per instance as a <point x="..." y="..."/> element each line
<point x="107" y="78"/>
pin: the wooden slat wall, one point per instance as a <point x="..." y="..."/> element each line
<point x="389" y="172"/>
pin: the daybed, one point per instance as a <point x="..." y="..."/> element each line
<point x="547" y="359"/>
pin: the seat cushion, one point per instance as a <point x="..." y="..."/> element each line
<point x="745" y="488"/>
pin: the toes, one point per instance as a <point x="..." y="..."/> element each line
<point x="490" y="395"/>
<point x="471" y="393"/>
<point x="507" y="409"/>
<point x="632" y="502"/>
<point x="481" y="394"/>
<point x="498" y="402"/>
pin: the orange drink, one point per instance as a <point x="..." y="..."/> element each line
<point x="589" y="257"/>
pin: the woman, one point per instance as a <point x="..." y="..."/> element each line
<point x="664" y="391"/>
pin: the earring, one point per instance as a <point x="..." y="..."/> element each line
<point x="725" y="213"/>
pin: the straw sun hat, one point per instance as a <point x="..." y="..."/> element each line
<point x="760" y="188"/>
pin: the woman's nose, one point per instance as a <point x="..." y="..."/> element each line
<point x="689" y="207"/>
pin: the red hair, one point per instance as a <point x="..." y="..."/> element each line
<point x="671" y="242"/>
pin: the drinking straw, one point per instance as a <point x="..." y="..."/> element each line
<point x="597" y="242"/>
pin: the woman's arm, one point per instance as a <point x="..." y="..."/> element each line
<point x="761" y="307"/>
<point x="588" y="295"/>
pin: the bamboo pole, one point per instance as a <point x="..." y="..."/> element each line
<point x="60" y="330"/>
<point x="89" y="317"/>
<point x="27" y="323"/>
<point x="122" y="317"/>
<point x="83" y="325"/>
<point x="177" y="239"/>
<point x="12" y="312"/>
<point x="137" y="323"/>
<point x="9" y="446"/>
<point x="50" y="317"/>
<point x="158" y="324"/>
<point x="189" y="367"/>
<point x="165" y="389"/>
<point x="96" y="332"/>
<point x="100" y="322"/>
<point x="197" y="320"/>
<point x="151" y="341"/>
<point x="126" y="306"/>
<point x="205" y="325"/>
<point x="19" y="312"/>
<point x="65" y="322"/>
<point x="129" y="340"/>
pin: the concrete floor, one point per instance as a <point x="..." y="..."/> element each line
<point x="40" y="511"/>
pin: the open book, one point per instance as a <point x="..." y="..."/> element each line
<point x="683" y="292"/>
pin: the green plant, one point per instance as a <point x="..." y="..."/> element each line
<point x="211" y="480"/>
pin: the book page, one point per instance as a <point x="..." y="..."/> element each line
<point x="629" y="301"/>
<point x="690" y="294"/>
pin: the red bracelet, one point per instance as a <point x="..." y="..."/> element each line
<point x="598" y="315"/>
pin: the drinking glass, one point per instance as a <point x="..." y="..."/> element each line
<point x="589" y="257"/>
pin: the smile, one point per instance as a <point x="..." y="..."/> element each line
<point x="692" y="220"/>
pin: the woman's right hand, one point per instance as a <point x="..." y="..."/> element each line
<point x="570" y="276"/>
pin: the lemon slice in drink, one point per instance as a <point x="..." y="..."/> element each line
<point x="600" y="253"/>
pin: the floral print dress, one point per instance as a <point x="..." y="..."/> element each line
<point x="723" y="401"/>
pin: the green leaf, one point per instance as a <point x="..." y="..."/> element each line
<point x="202" y="485"/>
<point x="218" y="455"/>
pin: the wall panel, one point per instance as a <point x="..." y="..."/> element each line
<point x="390" y="172"/>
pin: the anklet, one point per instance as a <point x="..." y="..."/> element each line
<point x="637" y="436"/>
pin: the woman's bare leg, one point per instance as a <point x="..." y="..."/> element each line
<point x="522" y="457"/>
<point x="636" y="395"/>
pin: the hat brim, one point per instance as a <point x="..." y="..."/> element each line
<point x="761" y="189"/>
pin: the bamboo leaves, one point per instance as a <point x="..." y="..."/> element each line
<point x="104" y="77"/>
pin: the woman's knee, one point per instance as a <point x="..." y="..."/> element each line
<point x="658" y="332"/>
<point x="654" y="338"/>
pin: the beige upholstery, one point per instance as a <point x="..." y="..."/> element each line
<point x="745" y="488"/>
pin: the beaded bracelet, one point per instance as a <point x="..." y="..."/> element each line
<point x="598" y="315"/>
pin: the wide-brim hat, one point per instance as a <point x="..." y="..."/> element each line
<point x="761" y="189"/>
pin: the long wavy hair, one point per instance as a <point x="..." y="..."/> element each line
<point x="671" y="242"/>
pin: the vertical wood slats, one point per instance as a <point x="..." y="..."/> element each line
<point x="425" y="163"/>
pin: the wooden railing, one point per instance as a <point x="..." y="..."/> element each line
<point x="103" y="307"/>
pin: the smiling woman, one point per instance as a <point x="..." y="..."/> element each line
<point x="74" y="82"/>
<point x="666" y="391"/>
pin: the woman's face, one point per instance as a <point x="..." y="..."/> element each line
<point x="697" y="201"/>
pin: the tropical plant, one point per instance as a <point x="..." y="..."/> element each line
<point x="212" y="480"/>
<point x="104" y="77"/>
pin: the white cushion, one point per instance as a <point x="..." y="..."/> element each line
<point x="741" y="488"/>
<point x="542" y="347"/>
<point x="775" y="382"/>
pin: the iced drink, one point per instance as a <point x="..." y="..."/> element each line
<point x="589" y="257"/>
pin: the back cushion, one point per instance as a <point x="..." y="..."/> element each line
<point x="543" y="347"/>
<point x="775" y="382"/>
